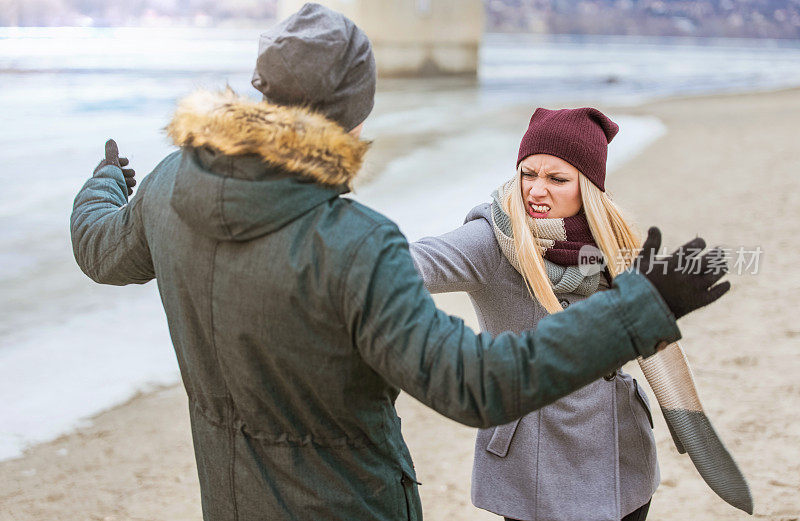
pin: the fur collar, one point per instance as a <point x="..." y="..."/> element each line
<point x="295" y="138"/>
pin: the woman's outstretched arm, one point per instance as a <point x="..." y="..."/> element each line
<point x="464" y="259"/>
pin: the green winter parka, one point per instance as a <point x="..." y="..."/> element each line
<point x="297" y="316"/>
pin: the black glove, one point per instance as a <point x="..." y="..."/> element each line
<point x="684" y="290"/>
<point x="112" y="158"/>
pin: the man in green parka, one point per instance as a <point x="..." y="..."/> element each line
<point x="297" y="315"/>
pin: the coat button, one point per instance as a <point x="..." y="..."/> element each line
<point x="564" y="304"/>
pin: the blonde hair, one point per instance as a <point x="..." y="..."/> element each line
<point x="616" y="237"/>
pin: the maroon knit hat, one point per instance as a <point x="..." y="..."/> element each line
<point x="578" y="136"/>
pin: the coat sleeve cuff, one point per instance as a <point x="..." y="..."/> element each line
<point x="114" y="173"/>
<point x="644" y="313"/>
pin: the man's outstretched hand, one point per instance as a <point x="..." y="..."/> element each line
<point x="684" y="279"/>
<point x="112" y="158"/>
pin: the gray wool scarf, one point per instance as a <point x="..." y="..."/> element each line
<point x="563" y="279"/>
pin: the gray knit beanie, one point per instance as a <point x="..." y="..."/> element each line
<point x="321" y="59"/>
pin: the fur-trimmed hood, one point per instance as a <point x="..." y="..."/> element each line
<point x="295" y="139"/>
<point x="248" y="168"/>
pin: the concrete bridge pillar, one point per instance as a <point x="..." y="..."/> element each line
<point x="415" y="37"/>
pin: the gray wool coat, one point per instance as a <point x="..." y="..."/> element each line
<point x="589" y="456"/>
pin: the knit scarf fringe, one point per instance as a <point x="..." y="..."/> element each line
<point x="563" y="278"/>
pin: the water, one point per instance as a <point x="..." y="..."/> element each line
<point x="628" y="70"/>
<point x="70" y="348"/>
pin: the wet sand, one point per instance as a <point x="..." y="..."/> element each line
<point x="723" y="161"/>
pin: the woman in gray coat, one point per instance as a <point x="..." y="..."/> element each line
<point x="590" y="456"/>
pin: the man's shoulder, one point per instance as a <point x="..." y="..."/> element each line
<point x="361" y="218"/>
<point x="169" y="165"/>
<point x="360" y="232"/>
<point x="162" y="174"/>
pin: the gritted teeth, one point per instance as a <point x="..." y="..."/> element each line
<point x="539" y="208"/>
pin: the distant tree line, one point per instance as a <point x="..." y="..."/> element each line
<point x="723" y="18"/>
<point x="720" y="18"/>
<point x="131" y="12"/>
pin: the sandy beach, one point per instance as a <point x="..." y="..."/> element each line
<point x="723" y="160"/>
